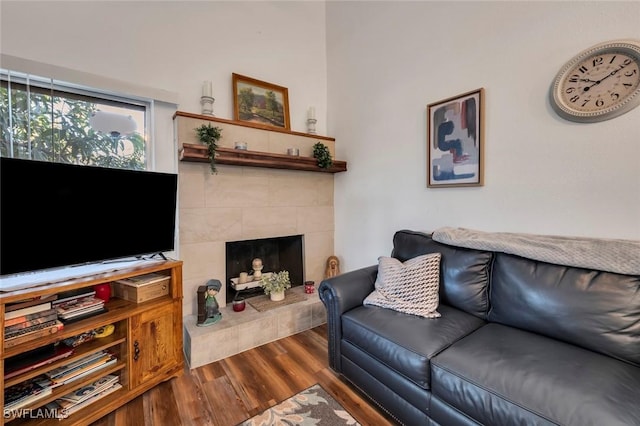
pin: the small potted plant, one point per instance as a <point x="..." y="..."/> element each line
<point x="275" y="284"/>
<point x="210" y="135"/>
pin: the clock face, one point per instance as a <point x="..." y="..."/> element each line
<point x="600" y="83"/>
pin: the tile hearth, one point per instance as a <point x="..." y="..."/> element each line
<point x="239" y="331"/>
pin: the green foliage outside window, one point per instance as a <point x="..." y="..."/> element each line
<point x="55" y="127"/>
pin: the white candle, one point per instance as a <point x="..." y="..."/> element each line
<point x="207" y="89"/>
<point x="311" y="114"/>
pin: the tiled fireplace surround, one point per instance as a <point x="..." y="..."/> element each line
<point x="244" y="203"/>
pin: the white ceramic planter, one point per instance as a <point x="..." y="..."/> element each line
<point x="276" y="297"/>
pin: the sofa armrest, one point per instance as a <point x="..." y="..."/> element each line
<point x="339" y="295"/>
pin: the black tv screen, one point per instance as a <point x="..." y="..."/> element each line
<point x="55" y="215"/>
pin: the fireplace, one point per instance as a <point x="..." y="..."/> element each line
<point x="277" y="254"/>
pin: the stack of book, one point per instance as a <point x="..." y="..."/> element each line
<point x="30" y="319"/>
<point x="80" y="368"/>
<point x="78" y="304"/>
<point x="80" y="398"/>
<point x="25" y="393"/>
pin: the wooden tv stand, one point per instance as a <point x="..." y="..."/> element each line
<point x="147" y="342"/>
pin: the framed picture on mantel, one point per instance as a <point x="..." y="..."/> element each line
<point x="455" y="141"/>
<point x="259" y="102"/>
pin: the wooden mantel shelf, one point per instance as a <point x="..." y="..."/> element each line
<point x="238" y="157"/>
<point x="250" y="125"/>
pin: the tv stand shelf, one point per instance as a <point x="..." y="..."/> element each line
<point x="147" y="342"/>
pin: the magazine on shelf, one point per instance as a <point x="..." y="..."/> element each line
<point x="84" y="312"/>
<point x="55" y="406"/>
<point x="74" y="369"/>
<point x="32" y="335"/>
<point x="24" y="318"/>
<point x="27" y="311"/>
<point x="24" y="393"/>
<point x="35" y="358"/>
<point x="93" y="370"/>
<point x="82" y="394"/>
<point x="67" y="308"/>
<point x="27" y="330"/>
<point x="78" y="339"/>
<point x="38" y="300"/>
<point x="107" y="391"/>
<point x="73" y="364"/>
<point x="83" y="315"/>
<point x="74" y="295"/>
<point x="64" y="369"/>
<point x="30" y="323"/>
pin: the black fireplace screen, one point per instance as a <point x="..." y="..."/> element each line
<point x="277" y="254"/>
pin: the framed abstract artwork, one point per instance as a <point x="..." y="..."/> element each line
<point x="261" y="103"/>
<point x="455" y="141"/>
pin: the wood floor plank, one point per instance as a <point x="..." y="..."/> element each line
<point x="220" y="393"/>
<point x="193" y="404"/>
<point x="229" y="391"/>
<point x="248" y="389"/>
<point x="160" y="405"/>
<point x="272" y="387"/>
<point x="296" y="374"/>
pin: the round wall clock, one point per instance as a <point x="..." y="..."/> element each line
<point x="599" y="83"/>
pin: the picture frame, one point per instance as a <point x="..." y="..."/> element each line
<point x="263" y="104"/>
<point x="455" y="141"/>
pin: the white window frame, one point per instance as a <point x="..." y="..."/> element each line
<point x="160" y="101"/>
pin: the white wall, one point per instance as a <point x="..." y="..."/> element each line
<point x="543" y="174"/>
<point x="176" y="45"/>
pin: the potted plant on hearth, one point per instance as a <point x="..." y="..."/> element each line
<point x="210" y="135"/>
<point x="275" y="284"/>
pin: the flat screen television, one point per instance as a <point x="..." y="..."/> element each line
<point x="55" y="215"/>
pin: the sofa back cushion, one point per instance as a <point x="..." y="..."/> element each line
<point x="464" y="273"/>
<point x="596" y="310"/>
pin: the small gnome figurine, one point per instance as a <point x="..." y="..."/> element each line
<point x="211" y="308"/>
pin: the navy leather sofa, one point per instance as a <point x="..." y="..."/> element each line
<point x="519" y="342"/>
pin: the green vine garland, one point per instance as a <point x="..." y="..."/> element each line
<point x="209" y="135"/>
<point x="322" y="154"/>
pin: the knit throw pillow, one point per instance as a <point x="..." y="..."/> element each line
<point x="410" y="287"/>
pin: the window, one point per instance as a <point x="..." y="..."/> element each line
<point x="47" y="120"/>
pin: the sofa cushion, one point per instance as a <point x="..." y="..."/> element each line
<point x="596" y="310"/>
<point x="464" y="273"/>
<point x="405" y="343"/>
<point x="410" y="287"/>
<point x="501" y="375"/>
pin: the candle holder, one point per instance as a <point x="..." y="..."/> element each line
<point x="311" y="126"/>
<point x="207" y="105"/>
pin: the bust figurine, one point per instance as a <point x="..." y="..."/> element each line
<point x="256" y="264"/>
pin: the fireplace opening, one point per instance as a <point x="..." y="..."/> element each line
<point x="277" y="254"/>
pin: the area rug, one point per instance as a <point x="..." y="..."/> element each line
<point x="264" y="303"/>
<point x="312" y="406"/>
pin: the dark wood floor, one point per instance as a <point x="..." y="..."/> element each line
<point x="236" y="388"/>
